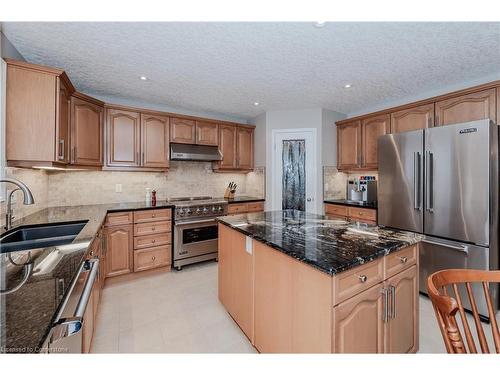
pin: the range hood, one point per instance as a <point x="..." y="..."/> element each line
<point x="180" y="151"/>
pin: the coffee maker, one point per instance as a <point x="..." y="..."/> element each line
<point x="362" y="189"/>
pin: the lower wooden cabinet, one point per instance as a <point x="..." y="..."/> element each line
<point x="146" y="259"/>
<point x="364" y="215"/>
<point x="243" y="208"/>
<point x="119" y="250"/>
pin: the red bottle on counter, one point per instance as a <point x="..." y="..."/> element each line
<point x="153" y="198"/>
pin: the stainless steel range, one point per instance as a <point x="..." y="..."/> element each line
<point x="195" y="234"/>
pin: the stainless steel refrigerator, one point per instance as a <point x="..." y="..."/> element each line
<point x="443" y="182"/>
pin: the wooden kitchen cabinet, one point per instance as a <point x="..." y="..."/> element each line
<point x="336" y="210"/>
<point x="37" y="113"/>
<point x="155" y="136"/>
<point x="227" y="146"/>
<point x="349" y="145"/>
<point x="207" y="133"/>
<point x="244" y="148"/>
<point x="357" y="323"/>
<point x="414" y="118"/>
<point x="364" y="215"/>
<point x="469" y="107"/>
<point x="401" y="335"/>
<point x="122" y="138"/>
<point x="87" y="122"/>
<point x="182" y="130"/>
<point x="119" y="250"/>
<point x="372" y="128"/>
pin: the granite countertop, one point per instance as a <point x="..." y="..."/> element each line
<point x="27" y="314"/>
<point x="244" y="199"/>
<point x="331" y="246"/>
<point x="346" y="202"/>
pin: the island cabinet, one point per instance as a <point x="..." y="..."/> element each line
<point x="119" y="243"/>
<point x="284" y="305"/>
<point x="364" y="215"/>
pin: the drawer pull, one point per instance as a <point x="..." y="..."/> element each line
<point x="153" y="215"/>
<point x="363" y="278"/>
<point x="403" y="259"/>
<point x="153" y="258"/>
<point x="153" y="241"/>
<point x="153" y="228"/>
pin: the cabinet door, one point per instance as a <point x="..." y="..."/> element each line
<point x="86" y="132"/>
<point x="475" y="106"/>
<point x="415" y="118"/>
<point x="402" y="327"/>
<point x="358" y="325"/>
<point x="119" y="250"/>
<point x="245" y="148"/>
<point x="182" y="130"/>
<point x="273" y="300"/>
<point x="62" y="122"/>
<point x="349" y="145"/>
<point x="207" y="133"/>
<point x="155" y="141"/>
<point x="224" y="267"/>
<point x="227" y="145"/>
<point x="123" y="138"/>
<point x="373" y="127"/>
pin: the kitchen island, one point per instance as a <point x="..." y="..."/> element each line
<point x="303" y="283"/>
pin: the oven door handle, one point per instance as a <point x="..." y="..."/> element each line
<point x="195" y="222"/>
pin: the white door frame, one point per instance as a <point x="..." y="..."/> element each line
<point x="310" y="136"/>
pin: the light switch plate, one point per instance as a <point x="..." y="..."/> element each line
<point x="118" y="188"/>
<point x="248" y="245"/>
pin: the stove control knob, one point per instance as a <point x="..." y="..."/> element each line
<point x="188" y="211"/>
<point x="198" y="211"/>
<point x="205" y="210"/>
<point x="180" y="211"/>
<point x="220" y="208"/>
<point x="214" y="209"/>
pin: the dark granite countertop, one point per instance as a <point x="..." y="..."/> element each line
<point x="331" y="246"/>
<point x="27" y="314"/>
<point x="244" y="199"/>
<point x="345" y="202"/>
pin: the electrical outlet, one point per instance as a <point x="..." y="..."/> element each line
<point x="118" y="188"/>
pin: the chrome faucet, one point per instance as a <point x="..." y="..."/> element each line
<point x="27" y="199"/>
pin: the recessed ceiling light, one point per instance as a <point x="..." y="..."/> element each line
<point x="256" y="104"/>
<point x="143" y="78"/>
<point x="319" y="24"/>
<point x="348" y="86"/>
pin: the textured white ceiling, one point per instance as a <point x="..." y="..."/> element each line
<point x="226" y="67"/>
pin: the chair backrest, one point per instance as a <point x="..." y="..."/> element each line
<point x="446" y="306"/>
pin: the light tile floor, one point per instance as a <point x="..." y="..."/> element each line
<point x="179" y="312"/>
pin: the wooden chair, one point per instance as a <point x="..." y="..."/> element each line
<point x="446" y="307"/>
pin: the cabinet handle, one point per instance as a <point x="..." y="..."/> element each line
<point x="61" y="149"/>
<point x="153" y="215"/>
<point x="153" y="241"/>
<point x="153" y="258"/>
<point x="385" y="314"/>
<point x="403" y="259"/>
<point x="142" y="163"/>
<point x="363" y="278"/>
<point x="153" y="228"/>
<point x="74" y="154"/>
<point x="393" y="302"/>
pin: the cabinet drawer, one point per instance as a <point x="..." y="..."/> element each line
<point x="152" y="228"/>
<point x="400" y="260"/>
<point x="146" y="259"/>
<point x="349" y="283"/>
<point x="336" y="210"/>
<point x="152" y="240"/>
<point x="255" y="207"/>
<point x="118" y="218"/>
<point x="147" y="216"/>
<point x="362" y="214"/>
<point x="237" y="208"/>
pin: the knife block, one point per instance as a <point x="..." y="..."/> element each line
<point x="229" y="194"/>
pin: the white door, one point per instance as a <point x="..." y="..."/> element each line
<point x="294" y="169"/>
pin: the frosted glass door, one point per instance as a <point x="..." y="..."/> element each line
<point x="294" y="175"/>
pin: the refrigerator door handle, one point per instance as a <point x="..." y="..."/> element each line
<point x="429" y="202"/>
<point x="416" y="181"/>
<point x="462" y="248"/>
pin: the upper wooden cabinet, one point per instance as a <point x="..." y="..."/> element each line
<point x="37" y="113"/>
<point x="207" y="133"/>
<point x="475" y="106"/>
<point x="154" y="141"/>
<point x="136" y="141"/>
<point x="372" y="128"/>
<point x="415" y="118"/>
<point x="349" y="145"/>
<point x="122" y="138"/>
<point x="244" y="147"/>
<point x="227" y="145"/>
<point x="87" y="119"/>
<point x="182" y="130"/>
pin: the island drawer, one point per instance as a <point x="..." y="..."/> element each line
<point x="118" y="218"/>
<point x="349" y="283"/>
<point x="400" y="260"/>
<point x="152" y="228"/>
<point x="256" y="207"/>
<point x="362" y="214"/>
<point x="146" y="259"/>
<point x="147" y="216"/>
<point x="336" y="210"/>
<point x="152" y="240"/>
<point x="237" y="209"/>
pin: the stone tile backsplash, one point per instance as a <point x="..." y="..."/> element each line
<point x="334" y="182"/>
